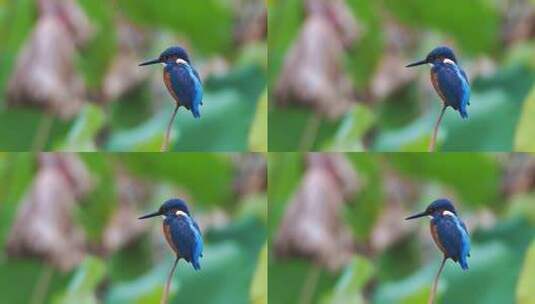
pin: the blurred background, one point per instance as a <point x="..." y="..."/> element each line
<point x="337" y="231"/>
<point x="337" y="78"/>
<point x="69" y="75"/>
<point x="69" y="231"/>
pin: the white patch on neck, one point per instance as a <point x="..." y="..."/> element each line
<point x="164" y="64"/>
<point x="179" y="61"/>
<point x="449" y="61"/>
<point x="431" y="65"/>
<point x="446" y="212"/>
<point x="178" y="213"/>
<point x="430" y="217"/>
<point x="164" y="217"/>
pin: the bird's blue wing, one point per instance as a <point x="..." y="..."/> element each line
<point x="186" y="239"/>
<point x="466" y="232"/>
<point x="463" y="226"/>
<point x="453" y="239"/>
<point x="449" y="237"/>
<point x="199" y="83"/>
<point x="200" y="245"/>
<point x="451" y="86"/>
<point x="464" y="76"/>
<point x="185" y="86"/>
<point x="467" y="83"/>
<point x="196" y="75"/>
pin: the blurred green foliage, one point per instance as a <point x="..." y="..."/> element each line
<point x="20" y="17"/>
<point x="257" y="136"/>
<point x="351" y="282"/>
<point x="370" y="199"/>
<point x="259" y="288"/>
<point x="98" y="55"/>
<point x="234" y="269"/>
<point x="526" y="125"/>
<point x="207" y="22"/>
<point x="445" y="167"/>
<point x="523" y="292"/>
<point x="479" y="36"/>
<point x="284" y="19"/>
<point x="403" y="271"/>
<point x="17" y="172"/>
<point x="84" y="282"/>
<point x="136" y="120"/>
<point x="403" y="120"/>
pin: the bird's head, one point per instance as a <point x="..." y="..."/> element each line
<point x="441" y="54"/>
<point x="440" y="207"/>
<point x="172" y="207"/>
<point x="174" y="54"/>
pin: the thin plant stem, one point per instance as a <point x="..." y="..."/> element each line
<point x="41" y="287"/>
<point x="310" y="132"/>
<point x="42" y="132"/>
<point x="435" y="282"/>
<point x="435" y="129"/>
<point x="168" y="132"/>
<point x="168" y="283"/>
<point x="309" y="287"/>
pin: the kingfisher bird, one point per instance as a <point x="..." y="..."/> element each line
<point x="448" y="231"/>
<point x="449" y="80"/>
<point x="181" y="79"/>
<point x="181" y="231"/>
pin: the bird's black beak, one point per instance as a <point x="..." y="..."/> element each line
<point x="417" y="215"/>
<point x="416" y="63"/>
<point x="154" y="61"/>
<point x="150" y="215"/>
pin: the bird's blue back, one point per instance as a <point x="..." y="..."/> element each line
<point x="184" y="84"/>
<point x="186" y="238"/>
<point x="452" y="238"/>
<point x="452" y="85"/>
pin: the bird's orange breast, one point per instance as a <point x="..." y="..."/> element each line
<point x="434" y="81"/>
<point x="169" y="85"/>
<point x="169" y="238"/>
<point x="434" y="234"/>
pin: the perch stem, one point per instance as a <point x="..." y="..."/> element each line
<point x="435" y="129"/>
<point x="42" y="285"/>
<point x="168" y="132"/>
<point x="168" y="283"/>
<point x="435" y="282"/>
<point x="310" y="284"/>
<point x="310" y="132"/>
<point x="43" y="132"/>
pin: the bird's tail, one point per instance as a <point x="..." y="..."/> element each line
<point x="463" y="262"/>
<point x="196" y="264"/>
<point x="464" y="103"/>
<point x="463" y="112"/>
<point x="196" y="112"/>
